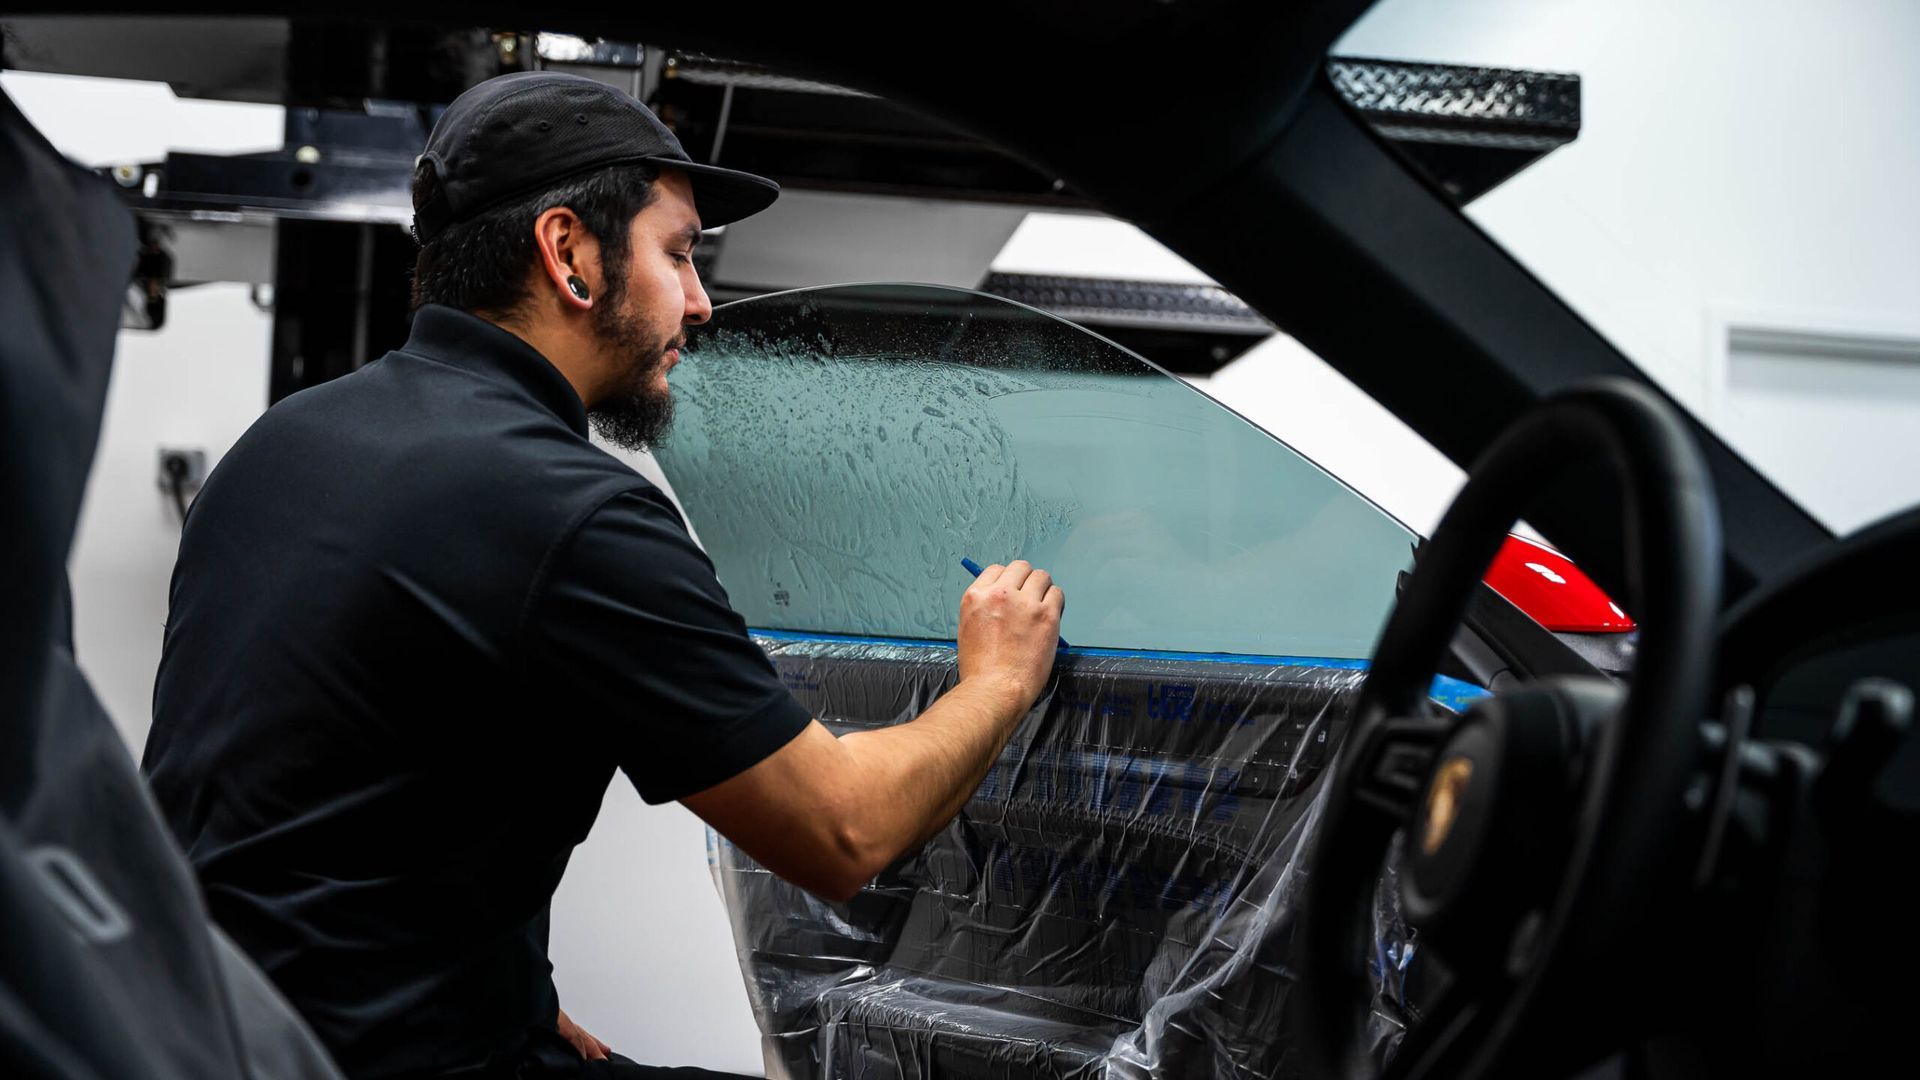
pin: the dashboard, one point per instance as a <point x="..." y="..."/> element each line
<point x="1849" y="612"/>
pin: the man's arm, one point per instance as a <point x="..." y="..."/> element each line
<point x="828" y="814"/>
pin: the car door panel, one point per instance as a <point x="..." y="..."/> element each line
<point x="1118" y="889"/>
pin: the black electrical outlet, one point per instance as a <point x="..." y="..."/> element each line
<point x="184" y="468"/>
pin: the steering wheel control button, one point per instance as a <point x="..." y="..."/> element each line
<point x="1398" y="756"/>
<point x="1401" y="768"/>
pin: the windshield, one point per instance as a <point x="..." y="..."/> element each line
<point x="1735" y="212"/>
<point x="839" y="451"/>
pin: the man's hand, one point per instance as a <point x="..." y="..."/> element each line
<point x="1010" y="629"/>
<point x="828" y="813"/>
<point x="590" y="1048"/>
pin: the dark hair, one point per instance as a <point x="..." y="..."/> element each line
<point x="480" y="264"/>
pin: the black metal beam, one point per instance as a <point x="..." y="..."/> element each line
<point x="1469" y="127"/>
<point x="340" y="300"/>
<point x="1466" y="128"/>
<point x="1188" y="329"/>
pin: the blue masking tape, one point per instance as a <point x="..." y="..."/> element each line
<point x="1455" y="694"/>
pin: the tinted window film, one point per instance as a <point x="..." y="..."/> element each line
<point x="839" y="450"/>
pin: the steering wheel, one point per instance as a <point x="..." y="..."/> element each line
<point x="1539" y="830"/>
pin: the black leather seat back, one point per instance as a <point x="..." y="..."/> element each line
<point x="108" y="965"/>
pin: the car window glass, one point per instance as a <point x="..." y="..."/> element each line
<point x="839" y="451"/>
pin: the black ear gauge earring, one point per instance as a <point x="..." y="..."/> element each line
<point x="577" y="285"/>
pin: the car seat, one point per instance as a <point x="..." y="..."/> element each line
<point x="110" y="967"/>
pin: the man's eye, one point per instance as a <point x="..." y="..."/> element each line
<point x="681" y="257"/>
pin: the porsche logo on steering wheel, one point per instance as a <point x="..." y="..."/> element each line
<point x="1443" y="801"/>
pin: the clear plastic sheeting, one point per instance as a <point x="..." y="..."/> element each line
<point x="1118" y="898"/>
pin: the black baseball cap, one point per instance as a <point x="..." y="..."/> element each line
<point x="520" y="133"/>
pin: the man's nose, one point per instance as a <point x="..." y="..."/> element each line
<point x="699" y="308"/>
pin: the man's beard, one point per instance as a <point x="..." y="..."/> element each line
<point x="634" y="415"/>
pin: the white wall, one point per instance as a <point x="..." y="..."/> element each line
<point x="642" y="953"/>
<point x="199" y="384"/>
<point x="1755" y="156"/>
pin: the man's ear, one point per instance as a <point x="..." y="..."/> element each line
<point x="569" y="257"/>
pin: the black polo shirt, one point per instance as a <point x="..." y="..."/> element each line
<point x="416" y="622"/>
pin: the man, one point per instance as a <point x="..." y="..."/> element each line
<point x="418" y="619"/>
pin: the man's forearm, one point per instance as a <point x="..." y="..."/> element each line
<point x="916" y="776"/>
<point x="827" y="814"/>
